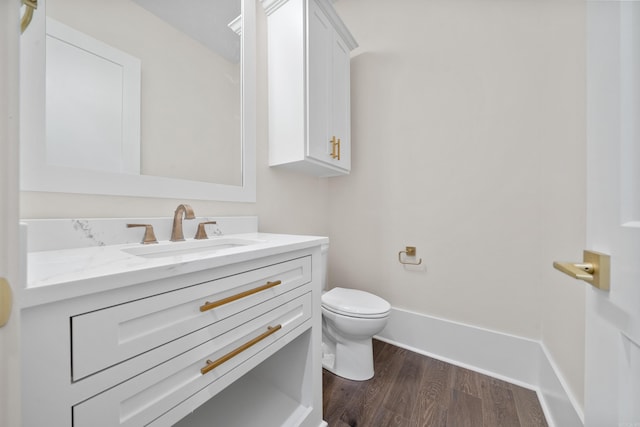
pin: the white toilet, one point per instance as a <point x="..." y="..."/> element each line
<point x="350" y="318"/>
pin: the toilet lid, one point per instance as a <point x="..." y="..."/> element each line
<point x="352" y="302"/>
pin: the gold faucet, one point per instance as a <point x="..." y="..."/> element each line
<point x="202" y="233"/>
<point x="149" y="235"/>
<point x="176" y="231"/>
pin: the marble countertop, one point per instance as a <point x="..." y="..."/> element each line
<point x="52" y="274"/>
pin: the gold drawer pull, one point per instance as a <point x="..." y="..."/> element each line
<point x="209" y="305"/>
<point x="212" y="365"/>
<point x="335" y="143"/>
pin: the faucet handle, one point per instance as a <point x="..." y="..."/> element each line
<point x="201" y="233"/>
<point x="149" y="235"/>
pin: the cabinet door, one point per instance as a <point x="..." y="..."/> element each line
<point x="340" y="108"/>
<point x="329" y="97"/>
<point x="319" y="85"/>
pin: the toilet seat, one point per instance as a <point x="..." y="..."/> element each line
<point x="355" y="303"/>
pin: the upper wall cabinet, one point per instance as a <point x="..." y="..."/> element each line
<point x="309" y="90"/>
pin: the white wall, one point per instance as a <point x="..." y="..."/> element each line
<point x="468" y="137"/>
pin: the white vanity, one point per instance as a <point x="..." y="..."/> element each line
<point x="218" y="332"/>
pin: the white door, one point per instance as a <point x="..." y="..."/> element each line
<point x="9" y="269"/>
<point x="612" y="365"/>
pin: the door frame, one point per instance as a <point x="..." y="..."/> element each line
<point x="10" y="390"/>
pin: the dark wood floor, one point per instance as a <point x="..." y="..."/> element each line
<point x="410" y="389"/>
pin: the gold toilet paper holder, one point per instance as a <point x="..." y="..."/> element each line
<point x="408" y="251"/>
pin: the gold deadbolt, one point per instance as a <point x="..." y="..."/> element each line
<point x="595" y="269"/>
<point x="6" y="301"/>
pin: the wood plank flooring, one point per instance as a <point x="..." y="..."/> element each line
<point x="410" y="390"/>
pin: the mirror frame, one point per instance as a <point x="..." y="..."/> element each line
<point x="37" y="175"/>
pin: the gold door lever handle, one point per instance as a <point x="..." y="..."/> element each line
<point x="31" y="6"/>
<point x="577" y="271"/>
<point x="595" y="269"/>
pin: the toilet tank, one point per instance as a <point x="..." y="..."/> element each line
<point x="323" y="270"/>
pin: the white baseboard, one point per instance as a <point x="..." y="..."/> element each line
<point x="514" y="359"/>
<point x="552" y="390"/>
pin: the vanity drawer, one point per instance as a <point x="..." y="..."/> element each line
<point x="106" y="337"/>
<point x="146" y="397"/>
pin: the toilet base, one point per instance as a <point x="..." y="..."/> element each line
<point x="353" y="361"/>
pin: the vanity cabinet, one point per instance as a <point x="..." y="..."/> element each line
<point x="309" y="87"/>
<point x="233" y="345"/>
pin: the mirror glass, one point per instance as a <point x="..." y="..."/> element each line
<point x="146" y="98"/>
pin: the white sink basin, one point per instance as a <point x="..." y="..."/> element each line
<point x="205" y="247"/>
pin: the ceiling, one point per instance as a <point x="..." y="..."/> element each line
<point x="203" y="20"/>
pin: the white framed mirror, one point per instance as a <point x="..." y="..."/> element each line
<point x="183" y="115"/>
